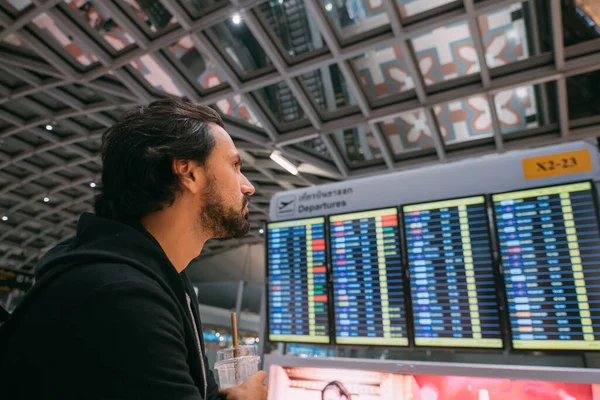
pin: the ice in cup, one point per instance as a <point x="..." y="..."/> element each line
<point x="235" y="365"/>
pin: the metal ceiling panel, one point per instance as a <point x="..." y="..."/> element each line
<point x="341" y="91"/>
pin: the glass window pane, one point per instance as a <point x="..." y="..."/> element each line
<point x="73" y="47"/>
<point x="357" y="145"/>
<point x="517" y="109"/>
<point x="581" y="21"/>
<point x="153" y="15"/>
<point x="198" y="8"/>
<point x="206" y="73"/>
<point x="316" y="146"/>
<point x="238" y="44"/>
<point x="409" y="8"/>
<point x="292" y="26"/>
<point x="48" y="101"/>
<point x="383" y="72"/>
<point x="327" y="87"/>
<point x="583" y="96"/>
<point x="18" y="108"/>
<point x="465" y="120"/>
<point x="96" y="15"/>
<point x="82" y="93"/>
<point x="234" y="107"/>
<point x="504" y="35"/>
<point x="408" y="132"/>
<point x="11" y="81"/>
<point x="446" y="53"/>
<point x="155" y="75"/>
<point x="281" y="102"/>
<point x="351" y="18"/>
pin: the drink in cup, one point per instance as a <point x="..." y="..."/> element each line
<point x="236" y="364"/>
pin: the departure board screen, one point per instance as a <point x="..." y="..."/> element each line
<point x="550" y="248"/>
<point x="297" y="281"/>
<point x="368" y="285"/>
<point x="450" y="260"/>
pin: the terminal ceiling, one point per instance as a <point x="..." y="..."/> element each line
<point x="340" y="88"/>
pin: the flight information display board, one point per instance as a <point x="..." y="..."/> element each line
<point x="452" y="286"/>
<point x="298" y="308"/>
<point x="550" y="248"/>
<point x="368" y="284"/>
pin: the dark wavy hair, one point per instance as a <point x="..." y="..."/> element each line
<point x="138" y="152"/>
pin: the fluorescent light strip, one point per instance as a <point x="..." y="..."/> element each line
<point x="284" y="163"/>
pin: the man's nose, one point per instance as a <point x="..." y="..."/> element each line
<point x="247" y="188"/>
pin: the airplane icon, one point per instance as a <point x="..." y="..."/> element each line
<point x="284" y="204"/>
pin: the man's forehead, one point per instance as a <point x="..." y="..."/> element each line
<point x="224" y="141"/>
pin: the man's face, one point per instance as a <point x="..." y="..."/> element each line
<point x="225" y="199"/>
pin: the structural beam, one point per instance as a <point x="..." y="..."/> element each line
<point x="11" y="27"/>
<point x="382" y="144"/>
<point x="559" y="62"/>
<point x="335" y="155"/>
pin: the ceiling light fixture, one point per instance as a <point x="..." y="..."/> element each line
<point x="261" y="231"/>
<point x="49" y="127"/>
<point x="4" y="218"/>
<point x="46" y="199"/>
<point x="284" y="163"/>
<point x="93" y="184"/>
<point x="522" y="92"/>
<point x="329" y="6"/>
<point x="236" y="19"/>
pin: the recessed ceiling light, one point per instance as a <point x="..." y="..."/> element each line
<point x="46" y="199"/>
<point x="4" y="218"/>
<point x="49" y="127"/>
<point x="261" y="231"/>
<point x="236" y="19"/>
<point x="329" y="6"/>
<point x="93" y="184"/>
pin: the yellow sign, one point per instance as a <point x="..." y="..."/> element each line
<point x="571" y="162"/>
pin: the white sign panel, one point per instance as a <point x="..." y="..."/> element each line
<point x="489" y="174"/>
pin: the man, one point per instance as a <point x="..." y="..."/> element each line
<point x="112" y="314"/>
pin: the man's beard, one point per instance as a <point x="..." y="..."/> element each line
<point x="225" y="223"/>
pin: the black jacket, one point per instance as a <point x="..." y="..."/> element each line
<point x="114" y="325"/>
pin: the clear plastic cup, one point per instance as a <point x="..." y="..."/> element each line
<point x="234" y="366"/>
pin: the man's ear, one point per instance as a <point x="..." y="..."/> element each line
<point x="191" y="175"/>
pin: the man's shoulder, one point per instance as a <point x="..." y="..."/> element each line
<point x="81" y="281"/>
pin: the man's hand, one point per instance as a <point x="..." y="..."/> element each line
<point x="253" y="388"/>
